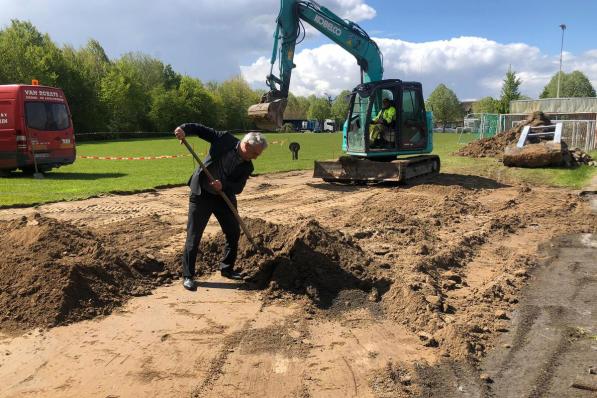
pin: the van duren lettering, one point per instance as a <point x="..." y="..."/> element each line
<point x="3" y="118"/>
<point x="42" y="95"/>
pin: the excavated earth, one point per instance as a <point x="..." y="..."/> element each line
<point x="534" y="154"/>
<point x="446" y="260"/>
<point x="495" y="146"/>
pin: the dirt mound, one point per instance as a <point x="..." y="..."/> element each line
<point x="542" y="154"/>
<point x="494" y="146"/>
<point x="53" y="273"/>
<point x="303" y="258"/>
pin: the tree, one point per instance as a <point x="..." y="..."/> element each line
<point x="190" y="102"/>
<point x="445" y="105"/>
<point x="339" y="109"/>
<point x="575" y="84"/>
<point x="510" y="91"/>
<point x="125" y="98"/>
<point x="153" y="71"/>
<point x="86" y="67"/>
<point x="236" y="97"/>
<point x="94" y="60"/>
<point x="26" y="54"/>
<point x="486" y="105"/>
<point x="132" y="93"/>
<point x="81" y="92"/>
<point x="319" y="109"/>
<point x="297" y="107"/>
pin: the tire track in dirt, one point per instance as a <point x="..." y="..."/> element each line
<point x="214" y="372"/>
<point x="549" y="349"/>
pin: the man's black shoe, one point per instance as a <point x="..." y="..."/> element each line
<point x="189" y="284"/>
<point x="229" y="273"/>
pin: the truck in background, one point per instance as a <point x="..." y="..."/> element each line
<point x="36" y="128"/>
<point x="312" y="125"/>
<point x="329" y="125"/>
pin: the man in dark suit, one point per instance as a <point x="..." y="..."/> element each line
<point x="229" y="162"/>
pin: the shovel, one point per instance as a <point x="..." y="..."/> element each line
<point x="37" y="175"/>
<point x="223" y="195"/>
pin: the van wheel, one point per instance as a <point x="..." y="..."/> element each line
<point x="28" y="170"/>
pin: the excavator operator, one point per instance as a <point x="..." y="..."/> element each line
<point x="383" y="121"/>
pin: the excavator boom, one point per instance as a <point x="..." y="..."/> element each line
<point x="268" y="114"/>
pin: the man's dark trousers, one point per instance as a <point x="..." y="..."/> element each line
<point x="201" y="207"/>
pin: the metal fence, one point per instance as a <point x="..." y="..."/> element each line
<point x="477" y="126"/>
<point x="579" y="129"/>
<point x="484" y="124"/>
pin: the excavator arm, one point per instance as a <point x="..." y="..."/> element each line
<point x="289" y="31"/>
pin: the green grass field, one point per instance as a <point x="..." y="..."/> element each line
<point x="87" y="177"/>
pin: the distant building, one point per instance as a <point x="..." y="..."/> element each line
<point x="467" y="106"/>
<point x="555" y="105"/>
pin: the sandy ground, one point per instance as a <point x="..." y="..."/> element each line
<point x="460" y="251"/>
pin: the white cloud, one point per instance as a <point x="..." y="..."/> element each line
<point x="211" y="39"/>
<point x="354" y="10"/>
<point x="472" y="66"/>
<point x="208" y="39"/>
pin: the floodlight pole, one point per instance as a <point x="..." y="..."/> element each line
<point x="563" y="27"/>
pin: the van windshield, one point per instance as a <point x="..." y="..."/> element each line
<point x="46" y="116"/>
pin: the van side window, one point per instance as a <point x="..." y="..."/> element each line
<point x="46" y="116"/>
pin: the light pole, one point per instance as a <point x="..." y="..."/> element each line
<point x="563" y="27"/>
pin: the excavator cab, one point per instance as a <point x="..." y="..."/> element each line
<point x="406" y="133"/>
<point x="375" y="160"/>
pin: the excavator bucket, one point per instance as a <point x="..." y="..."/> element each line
<point x="268" y="115"/>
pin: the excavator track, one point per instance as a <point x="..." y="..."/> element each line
<point x="352" y="169"/>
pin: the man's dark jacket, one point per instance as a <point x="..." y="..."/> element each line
<point x="221" y="142"/>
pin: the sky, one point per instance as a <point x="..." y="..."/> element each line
<point x="467" y="45"/>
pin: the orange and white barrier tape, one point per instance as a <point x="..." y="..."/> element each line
<point x="133" y="158"/>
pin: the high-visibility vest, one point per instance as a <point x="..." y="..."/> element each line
<point x="389" y="115"/>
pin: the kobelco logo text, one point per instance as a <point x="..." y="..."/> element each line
<point x="328" y="25"/>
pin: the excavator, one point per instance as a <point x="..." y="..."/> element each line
<point x="409" y="134"/>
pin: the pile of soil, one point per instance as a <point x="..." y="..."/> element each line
<point x="301" y="259"/>
<point x="53" y="273"/>
<point x="494" y="146"/>
<point x="541" y="154"/>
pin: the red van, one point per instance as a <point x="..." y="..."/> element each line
<point x="35" y="126"/>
